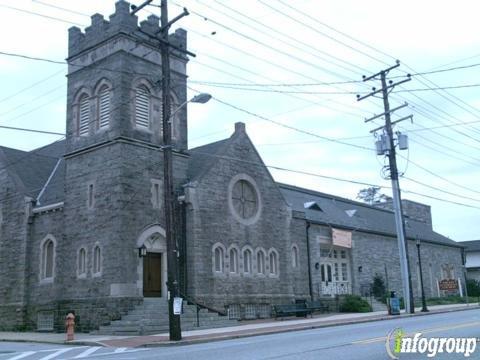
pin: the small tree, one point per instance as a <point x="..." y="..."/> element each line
<point x="372" y="195"/>
<point x="473" y="287"/>
<point x="378" y="287"/>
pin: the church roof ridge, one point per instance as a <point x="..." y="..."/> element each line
<point x="330" y="196"/>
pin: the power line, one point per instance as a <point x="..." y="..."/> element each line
<point x="41" y="15"/>
<point x="339" y="82"/>
<point x="72" y="64"/>
<point x="226" y="86"/>
<point x="289" y="127"/>
<point x="290" y="95"/>
<point x="438" y="189"/>
<point x="206" y="82"/>
<point x="336" y="40"/>
<point x="252" y="39"/>
<point x="31" y="130"/>
<point x="331" y="178"/>
<point x="32" y="100"/>
<point x="315" y="29"/>
<point x="440" y="177"/>
<point x="61" y="8"/>
<point x="294" y="42"/>
<point x="30" y="86"/>
<point x="36" y="108"/>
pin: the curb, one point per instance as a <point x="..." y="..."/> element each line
<point x="299" y="328"/>
<point x="247" y="333"/>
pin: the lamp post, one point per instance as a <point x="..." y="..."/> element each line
<point x="424" y="302"/>
<point x="172" y="251"/>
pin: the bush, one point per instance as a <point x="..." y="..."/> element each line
<point x="354" y="303"/>
<point x="378" y="287"/>
<point x="473" y="287"/>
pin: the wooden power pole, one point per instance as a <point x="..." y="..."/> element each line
<point x="387" y="146"/>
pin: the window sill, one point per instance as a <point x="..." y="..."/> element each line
<point x="46" y="281"/>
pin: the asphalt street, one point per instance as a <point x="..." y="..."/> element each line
<point x="359" y="341"/>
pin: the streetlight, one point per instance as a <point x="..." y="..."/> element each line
<point x="174" y="300"/>
<point x="201" y="98"/>
<point x="424" y="303"/>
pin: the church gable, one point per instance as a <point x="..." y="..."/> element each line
<point x="238" y="222"/>
<point x="234" y="160"/>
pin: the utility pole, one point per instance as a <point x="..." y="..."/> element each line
<point x="172" y="259"/>
<point x="424" y="301"/>
<point x="387" y="146"/>
<point x="173" y="286"/>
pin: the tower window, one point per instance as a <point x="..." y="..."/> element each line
<point x="90" y="196"/>
<point x="142" y="107"/>
<point x="97" y="261"/>
<point x="47" y="260"/>
<point x="84" y="115"/>
<point x="294" y="256"/>
<point x="82" y="259"/>
<point x="103" y="107"/>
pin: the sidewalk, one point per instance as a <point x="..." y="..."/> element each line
<point x="246" y="328"/>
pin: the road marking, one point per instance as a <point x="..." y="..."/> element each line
<point x="432" y="330"/>
<point x="55" y="354"/>
<point x="87" y="352"/>
<point x="22" y="355"/>
<point x="119" y="350"/>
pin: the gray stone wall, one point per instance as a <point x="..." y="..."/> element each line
<point x="414" y="210"/>
<point x="15" y="209"/>
<point x="375" y="252"/>
<point x="315" y="260"/>
<point x="210" y="221"/>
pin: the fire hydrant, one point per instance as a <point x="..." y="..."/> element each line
<point x="70" y="326"/>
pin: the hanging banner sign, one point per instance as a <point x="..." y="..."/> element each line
<point x="342" y="238"/>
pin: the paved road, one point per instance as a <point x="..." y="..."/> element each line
<point x="359" y="341"/>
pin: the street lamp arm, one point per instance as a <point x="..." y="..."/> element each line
<point x="201" y="98"/>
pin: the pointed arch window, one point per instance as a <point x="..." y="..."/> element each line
<point x="294" y="256"/>
<point x="273" y="263"/>
<point x="142" y="107"/>
<point x="104" y="107"/>
<point x="82" y="262"/>
<point x="97" y="260"/>
<point x="247" y="261"/>
<point x="84" y="115"/>
<point x="233" y="257"/>
<point x="218" y="255"/>
<point x="260" y="262"/>
<point x="47" y="260"/>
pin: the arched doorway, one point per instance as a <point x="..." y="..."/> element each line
<point x="152" y="268"/>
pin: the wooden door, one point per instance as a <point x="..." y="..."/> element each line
<point x="152" y="275"/>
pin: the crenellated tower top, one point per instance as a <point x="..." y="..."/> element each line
<point x="114" y="81"/>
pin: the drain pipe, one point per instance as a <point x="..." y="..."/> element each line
<point x="310" y="287"/>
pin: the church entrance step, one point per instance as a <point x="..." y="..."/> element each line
<point x="151" y="317"/>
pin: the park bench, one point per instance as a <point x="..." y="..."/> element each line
<point x="317" y="305"/>
<point x="290" y="310"/>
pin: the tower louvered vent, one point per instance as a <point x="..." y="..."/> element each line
<point x="104" y="107"/>
<point x="84" y="115"/>
<point x="142" y="107"/>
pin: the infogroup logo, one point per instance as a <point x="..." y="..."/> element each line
<point x="399" y="343"/>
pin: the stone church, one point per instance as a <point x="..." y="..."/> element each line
<point x="82" y="219"/>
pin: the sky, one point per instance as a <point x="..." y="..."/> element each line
<point x="290" y="70"/>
